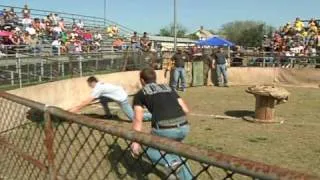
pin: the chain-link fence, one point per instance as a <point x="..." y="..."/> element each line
<point x="39" y="142"/>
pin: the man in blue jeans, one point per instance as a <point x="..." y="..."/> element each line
<point x="106" y="93"/>
<point x="168" y="120"/>
<point x="221" y="67"/>
<point x="179" y="60"/>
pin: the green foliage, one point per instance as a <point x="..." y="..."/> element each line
<point x="246" y="33"/>
<point x="169" y="31"/>
<point x="192" y="36"/>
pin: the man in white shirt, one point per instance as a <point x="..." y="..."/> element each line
<point x="97" y="37"/>
<point x="80" y="24"/>
<point x="106" y="93"/>
<point x="31" y="30"/>
<point x="56" y="46"/>
<point x="57" y="29"/>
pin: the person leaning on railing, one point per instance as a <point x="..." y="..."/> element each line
<point x="168" y="120"/>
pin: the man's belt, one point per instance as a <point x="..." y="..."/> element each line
<point x="171" y="123"/>
<point x="172" y="126"/>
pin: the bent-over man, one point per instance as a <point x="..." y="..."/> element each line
<point x="168" y="120"/>
<point x="106" y="93"/>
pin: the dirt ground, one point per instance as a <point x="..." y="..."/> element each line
<point x="295" y="144"/>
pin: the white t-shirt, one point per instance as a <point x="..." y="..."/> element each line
<point x="57" y="29"/>
<point x="26" y="21"/>
<point x="80" y="25"/>
<point x="31" y="30"/>
<point x="111" y="91"/>
<point x="55" y="43"/>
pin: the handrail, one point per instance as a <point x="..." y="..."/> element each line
<point x="73" y="14"/>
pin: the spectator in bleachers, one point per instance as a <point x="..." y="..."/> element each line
<point x="77" y="47"/>
<point x="42" y="24"/>
<point x="299" y="39"/>
<point x="97" y="38"/>
<point x="56" y="43"/>
<point x="135" y="41"/>
<point x="298" y="25"/>
<point x="2" y="22"/>
<point x="61" y="24"/>
<point x="313" y="28"/>
<point x="80" y="24"/>
<point x="26" y="21"/>
<point x="53" y="18"/>
<point x="118" y="44"/>
<point x="145" y="42"/>
<point x="26" y="38"/>
<point x="112" y="31"/>
<point x="31" y="30"/>
<point x="51" y="29"/>
<point x="87" y="36"/>
<point x="115" y="30"/>
<point x="313" y="21"/>
<point x="36" y="25"/>
<point x="26" y="12"/>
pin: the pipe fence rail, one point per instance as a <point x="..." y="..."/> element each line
<point x="89" y="21"/>
<point x="22" y="71"/>
<point x="41" y="142"/>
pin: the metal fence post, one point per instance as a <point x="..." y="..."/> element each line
<point x="19" y="72"/>
<point x="28" y="73"/>
<point x="17" y="66"/>
<point x="12" y="77"/>
<point x="48" y="141"/>
<point x="62" y="69"/>
<point x="97" y="64"/>
<point x="80" y="65"/>
<point x="51" y="71"/>
<point x="41" y="70"/>
<point x="35" y="73"/>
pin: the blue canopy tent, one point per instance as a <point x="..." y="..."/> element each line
<point x="215" y="41"/>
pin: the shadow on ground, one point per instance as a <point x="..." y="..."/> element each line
<point x="239" y="113"/>
<point x="123" y="165"/>
<point x="103" y="117"/>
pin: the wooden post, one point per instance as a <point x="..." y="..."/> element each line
<point x="264" y="108"/>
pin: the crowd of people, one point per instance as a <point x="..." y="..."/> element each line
<point x="299" y="38"/>
<point x="32" y="34"/>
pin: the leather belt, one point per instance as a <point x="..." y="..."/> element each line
<point x="171" y="126"/>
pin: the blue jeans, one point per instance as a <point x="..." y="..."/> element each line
<point x="179" y="73"/>
<point x="222" y="69"/>
<point x="177" y="134"/>
<point x="125" y="106"/>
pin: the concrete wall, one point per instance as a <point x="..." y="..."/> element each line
<point x="66" y="93"/>
<point x="71" y="91"/>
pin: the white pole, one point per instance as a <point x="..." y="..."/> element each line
<point x="105" y="11"/>
<point x="175" y="23"/>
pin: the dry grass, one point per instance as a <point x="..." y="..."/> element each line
<point x="294" y="144"/>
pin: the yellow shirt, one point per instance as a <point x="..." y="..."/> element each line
<point x="299" y="25"/>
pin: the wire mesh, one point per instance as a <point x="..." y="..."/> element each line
<point x="20" y="138"/>
<point x="38" y="142"/>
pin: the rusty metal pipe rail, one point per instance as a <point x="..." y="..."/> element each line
<point x="235" y="164"/>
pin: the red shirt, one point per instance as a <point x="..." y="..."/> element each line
<point x="87" y="36"/>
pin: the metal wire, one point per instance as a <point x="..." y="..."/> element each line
<point x="38" y="142"/>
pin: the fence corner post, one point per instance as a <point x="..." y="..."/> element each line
<point x="48" y="141"/>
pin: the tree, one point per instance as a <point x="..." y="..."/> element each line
<point x="169" y="31"/>
<point x="246" y="33"/>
